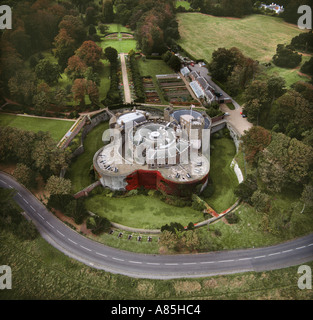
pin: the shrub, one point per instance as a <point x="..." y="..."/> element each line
<point x="98" y="224"/>
<point x="232" y="218"/>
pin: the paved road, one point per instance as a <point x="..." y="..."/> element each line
<point x="113" y="260"/>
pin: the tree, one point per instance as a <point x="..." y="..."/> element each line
<point x="111" y="54"/>
<point x="286" y="57"/>
<point x="261" y="201"/>
<point x="174" y="63"/>
<point x="245" y="190"/>
<point x="81" y="88"/>
<point x="276" y="87"/>
<point x="74" y="28"/>
<point x="24" y="175"/>
<point x="90" y="53"/>
<point x="294" y="114"/>
<point x="285" y="162"/>
<point x="107" y="14"/>
<point x="255" y="141"/>
<point x="48" y="71"/>
<point x="23" y="86"/>
<point x="98" y="224"/>
<point x="65" y="47"/>
<point x="58" y="186"/>
<point x="308" y="67"/>
<point x="76" y="68"/>
<point x="307" y="196"/>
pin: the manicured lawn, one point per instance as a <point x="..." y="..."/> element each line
<point x="152" y="68"/>
<point x="141" y="211"/>
<point x="57" y="128"/>
<point x="122" y="46"/>
<point x="223" y="177"/>
<point x="114" y="27"/>
<point x="80" y="167"/>
<point x="257" y="35"/>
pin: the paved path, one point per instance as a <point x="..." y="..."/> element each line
<point x="236" y="120"/>
<point x="127" y="93"/>
<point x="150" y="266"/>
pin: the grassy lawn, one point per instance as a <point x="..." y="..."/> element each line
<point x="79" y="169"/>
<point x="39" y="271"/>
<point x="105" y="80"/>
<point x="115" y="27"/>
<point x="141" y="211"/>
<point x="122" y="46"/>
<point x="256" y="36"/>
<point x="57" y="128"/>
<point x="290" y="75"/>
<point x="223" y="177"/>
<point x="184" y="4"/>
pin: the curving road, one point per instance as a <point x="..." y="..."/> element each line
<point x="99" y="256"/>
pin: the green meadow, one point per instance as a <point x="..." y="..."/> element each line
<point x="57" y="128"/>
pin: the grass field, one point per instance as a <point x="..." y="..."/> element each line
<point x="223" y="177"/>
<point x="57" y="128"/>
<point x="79" y="169"/>
<point x="141" y="211"/>
<point x="41" y="272"/>
<point x="256" y="36"/>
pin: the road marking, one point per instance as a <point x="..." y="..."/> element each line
<point x="25" y="200"/>
<point x="311" y="244"/>
<point x="86" y="248"/>
<point x="135" y="262"/>
<point x="10" y="186"/>
<point x="259" y="257"/>
<point x="71" y="240"/>
<point x="117" y="259"/>
<point x="50" y="225"/>
<point x="287" y="250"/>
<point x="226" y="261"/>
<point x="274" y="254"/>
<point x="207" y="262"/>
<point x="171" y="264"/>
<point x="100" y="254"/>
<point x="243" y="259"/>
<point x="189" y="263"/>
<point x="300" y="248"/>
<point x="32" y="208"/>
<point x="60" y="233"/>
<point x="3" y="181"/>
<point x="40" y="216"/>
